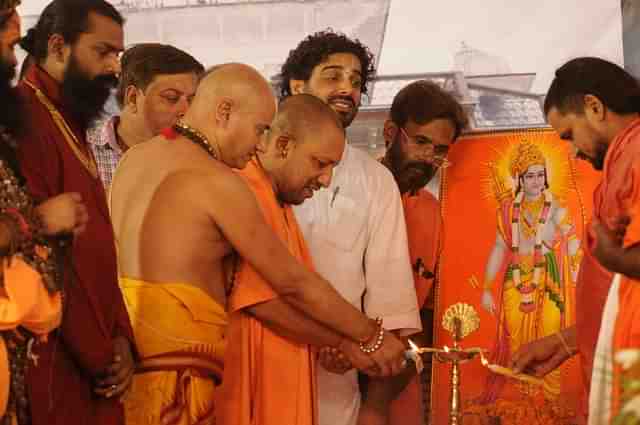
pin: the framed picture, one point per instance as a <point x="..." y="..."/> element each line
<point x="515" y="207"/>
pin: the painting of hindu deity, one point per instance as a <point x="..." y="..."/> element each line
<point x="537" y="245"/>
<point x="515" y="206"/>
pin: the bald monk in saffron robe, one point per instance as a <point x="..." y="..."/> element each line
<point x="270" y="341"/>
<point x="179" y="214"/>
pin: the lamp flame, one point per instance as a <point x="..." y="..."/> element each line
<point x="413" y="346"/>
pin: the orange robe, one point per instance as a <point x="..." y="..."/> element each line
<point x="424" y="225"/>
<point x="268" y="379"/>
<point x="619" y="194"/>
<point x="61" y="385"/>
<point x="25" y="303"/>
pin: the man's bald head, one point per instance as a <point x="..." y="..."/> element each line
<point x="240" y="83"/>
<point x="303" y="115"/>
<point x="233" y="106"/>
<point x="305" y="144"/>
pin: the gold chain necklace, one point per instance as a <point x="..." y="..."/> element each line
<point x="86" y="159"/>
<point x="196" y="137"/>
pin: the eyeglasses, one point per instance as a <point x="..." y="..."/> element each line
<point x="439" y="152"/>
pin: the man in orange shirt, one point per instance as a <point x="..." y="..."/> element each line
<point x="424" y="121"/>
<point x="593" y="104"/>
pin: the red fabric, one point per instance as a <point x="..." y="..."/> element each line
<point x="612" y="199"/>
<point x="169" y="133"/>
<point x="60" y="386"/>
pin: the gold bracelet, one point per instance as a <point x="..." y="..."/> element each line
<point x="378" y="340"/>
<point x="564" y="343"/>
<point x="371" y="337"/>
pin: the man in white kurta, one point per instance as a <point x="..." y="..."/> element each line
<point x="355" y="229"/>
<point x="356" y="233"/>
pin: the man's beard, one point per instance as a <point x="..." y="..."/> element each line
<point x="410" y="175"/>
<point x="416" y="174"/>
<point x="346" y="118"/>
<point x="84" y="97"/>
<point x="11" y="110"/>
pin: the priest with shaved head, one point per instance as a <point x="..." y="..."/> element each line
<point x="184" y="219"/>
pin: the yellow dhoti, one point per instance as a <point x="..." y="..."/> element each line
<point x="180" y="336"/>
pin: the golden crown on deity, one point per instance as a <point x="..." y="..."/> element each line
<point x="524" y="156"/>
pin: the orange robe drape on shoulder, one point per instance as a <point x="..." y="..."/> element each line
<point x="268" y="379"/>
<point x="424" y="225"/>
<point x="617" y="195"/>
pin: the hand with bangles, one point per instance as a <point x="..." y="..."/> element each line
<point x="544" y="355"/>
<point x="381" y="355"/>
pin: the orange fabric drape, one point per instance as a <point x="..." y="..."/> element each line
<point x="27" y="303"/>
<point x="268" y="379"/>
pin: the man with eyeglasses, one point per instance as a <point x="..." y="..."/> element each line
<point x="424" y="121"/>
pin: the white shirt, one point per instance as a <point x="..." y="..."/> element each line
<point x="357" y="236"/>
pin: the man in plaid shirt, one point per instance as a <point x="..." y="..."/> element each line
<point x="156" y="86"/>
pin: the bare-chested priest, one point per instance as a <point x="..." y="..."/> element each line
<point x="178" y="212"/>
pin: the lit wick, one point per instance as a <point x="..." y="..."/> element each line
<point x="501" y="370"/>
<point x="413" y="346"/>
<point x="414" y="354"/>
